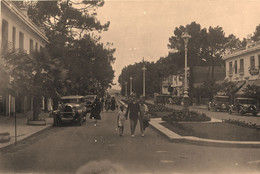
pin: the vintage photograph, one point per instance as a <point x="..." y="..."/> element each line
<point x="130" y="87"/>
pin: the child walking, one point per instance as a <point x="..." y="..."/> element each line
<point x="120" y="120"/>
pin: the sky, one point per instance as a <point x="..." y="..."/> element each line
<point x="141" y="29"/>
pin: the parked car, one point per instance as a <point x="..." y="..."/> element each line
<point x="219" y="103"/>
<point x="243" y="106"/>
<point x="71" y="108"/>
<point x="89" y="99"/>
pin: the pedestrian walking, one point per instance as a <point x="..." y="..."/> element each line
<point x="113" y="104"/>
<point x="143" y="111"/>
<point x="95" y="110"/>
<point x="121" y="117"/>
<point x="133" y="110"/>
<point x="102" y="103"/>
<point x="107" y="103"/>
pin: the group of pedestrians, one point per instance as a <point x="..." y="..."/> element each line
<point x="135" y="112"/>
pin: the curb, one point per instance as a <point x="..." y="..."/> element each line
<point x="5" y="137"/>
<point x="173" y="137"/>
<point x="24" y="138"/>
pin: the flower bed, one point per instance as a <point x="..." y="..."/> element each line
<point x="185" y="116"/>
<point x="242" y="123"/>
<point x="158" y="108"/>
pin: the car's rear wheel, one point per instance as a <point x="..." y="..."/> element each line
<point x="80" y="120"/>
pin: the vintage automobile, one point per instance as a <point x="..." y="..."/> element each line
<point x="71" y="108"/>
<point x="219" y="103"/>
<point x="89" y="99"/>
<point x="243" y="106"/>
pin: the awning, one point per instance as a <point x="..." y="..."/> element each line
<point x="257" y="82"/>
<point x="239" y="84"/>
<point x="249" y="82"/>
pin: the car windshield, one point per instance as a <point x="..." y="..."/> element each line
<point x="72" y="100"/>
<point x="222" y="99"/>
<point x="246" y="101"/>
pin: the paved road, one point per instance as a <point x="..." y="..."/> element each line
<point x="69" y="149"/>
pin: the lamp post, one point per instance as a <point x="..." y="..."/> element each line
<point x="125" y="89"/>
<point x="185" y="37"/>
<point x="131" y="85"/>
<point x="143" y="78"/>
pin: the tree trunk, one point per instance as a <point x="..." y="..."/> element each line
<point x="36" y="107"/>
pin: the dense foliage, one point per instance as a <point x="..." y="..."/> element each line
<point x="77" y="62"/>
<point x="205" y="48"/>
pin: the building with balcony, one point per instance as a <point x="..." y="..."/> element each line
<point x="242" y="65"/>
<point x="17" y="32"/>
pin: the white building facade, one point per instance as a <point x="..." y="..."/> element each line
<point x="243" y="64"/>
<point x="18" y="32"/>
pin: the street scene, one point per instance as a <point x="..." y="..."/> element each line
<point x="130" y="87"/>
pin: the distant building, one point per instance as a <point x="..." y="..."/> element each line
<point x="197" y="75"/>
<point x="17" y="32"/>
<point x="242" y="65"/>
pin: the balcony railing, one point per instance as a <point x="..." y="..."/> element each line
<point x="241" y="71"/>
<point x="230" y="73"/>
<point x="253" y="70"/>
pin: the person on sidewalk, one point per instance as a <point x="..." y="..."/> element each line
<point x="143" y="112"/>
<point x="133" y="110"/>
<point x="113" y="104"/>
<point x="95" y="110"/>
<point x="120" y="120"/>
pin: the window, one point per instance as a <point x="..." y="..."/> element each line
<point x="241" y="68"/>
<point x="21" y="41"/>
<point x="14" y="38"/>
<point x="36" y="47"/>
<point x="31" y="46"/>
<point x="235" y="66"/>
<point x="258" y="61"/>
<point x="230" y="68"/>
<point x="252" y="62"/>
<point x="4" y="35"/>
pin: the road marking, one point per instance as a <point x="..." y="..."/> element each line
<point x="161" y="151"/>
<point x="254" y="162"/>
<point x="110" y="145"/>
<point x="166" y="161"/>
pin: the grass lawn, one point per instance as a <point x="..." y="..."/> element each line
<point x="217" y="131"/>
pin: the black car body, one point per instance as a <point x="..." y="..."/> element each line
<point x="243" y="106"/>
<point x="89" y="99"/>
<point x="219" y="103"/>
<point x="71" y="108"/>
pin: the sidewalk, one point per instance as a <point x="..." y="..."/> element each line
<point x="7" y="124"/>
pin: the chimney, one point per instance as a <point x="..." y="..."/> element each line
<point x="24" y="10"/>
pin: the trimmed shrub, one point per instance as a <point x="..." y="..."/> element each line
<point x="185" y="116"/>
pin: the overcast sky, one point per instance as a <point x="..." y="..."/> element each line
<point x="142" y="28"/>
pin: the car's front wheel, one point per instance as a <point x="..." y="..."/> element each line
<point x="80" y="120"/>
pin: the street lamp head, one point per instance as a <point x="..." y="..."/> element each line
<point x="131" y="78"/>
<point x="185" y="36"/>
